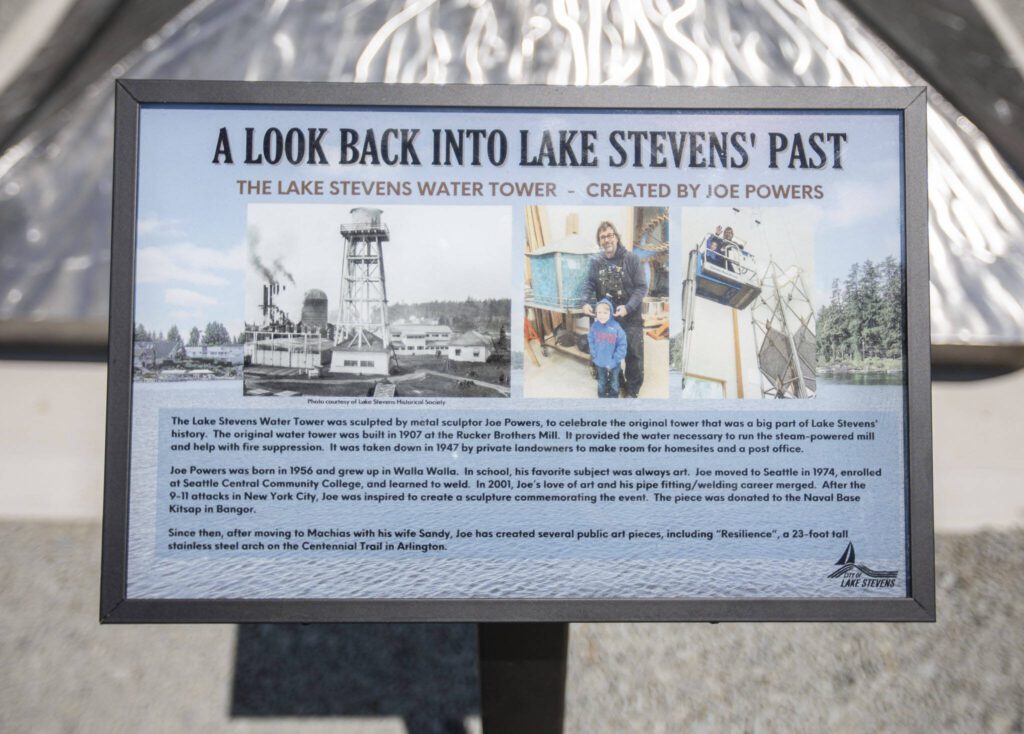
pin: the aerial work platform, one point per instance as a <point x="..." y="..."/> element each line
<point x="725" y="273"/>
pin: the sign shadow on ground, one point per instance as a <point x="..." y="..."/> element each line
<point x="423" y="673"/>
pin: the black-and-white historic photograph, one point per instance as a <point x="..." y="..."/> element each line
<point x="385" y="302"/>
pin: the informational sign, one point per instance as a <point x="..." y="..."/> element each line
<point x="453" y="353"/>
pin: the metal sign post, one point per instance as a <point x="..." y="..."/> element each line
<point x="522" y="677"/>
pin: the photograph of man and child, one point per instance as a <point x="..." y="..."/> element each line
<point x="603" y="338"/>
<point x="617" y="283"/>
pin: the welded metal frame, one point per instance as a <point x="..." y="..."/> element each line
<point x="131" y="95"/>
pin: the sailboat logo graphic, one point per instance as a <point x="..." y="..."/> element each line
<point x="848" y="567"/>
<point x="848" y="556"/>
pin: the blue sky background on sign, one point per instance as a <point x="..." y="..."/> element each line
<point x="192" y="221"/>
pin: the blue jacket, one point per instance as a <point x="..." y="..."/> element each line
<point x="607" y="341"/>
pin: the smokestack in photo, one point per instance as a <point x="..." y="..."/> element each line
<point x="314" y="309"/>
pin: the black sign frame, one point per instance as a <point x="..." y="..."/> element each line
<point x="131" y="95"/>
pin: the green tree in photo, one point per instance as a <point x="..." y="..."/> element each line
<point x="863" y="319"/>
<point x="892" y="305"/>
<point x="216" y="334"/>
<point x="871" y="335"/>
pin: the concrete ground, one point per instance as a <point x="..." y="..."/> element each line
<point x="62" y="672"/>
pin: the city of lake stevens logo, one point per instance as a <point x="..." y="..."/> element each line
<point x="858" y="575"/>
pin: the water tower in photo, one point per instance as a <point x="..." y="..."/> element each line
<point x="362" y="343"/>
